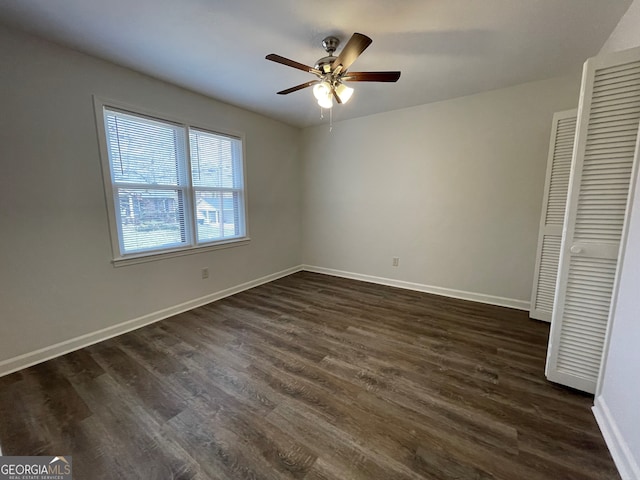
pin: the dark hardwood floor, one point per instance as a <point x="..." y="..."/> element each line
<point x="311" y="377"/>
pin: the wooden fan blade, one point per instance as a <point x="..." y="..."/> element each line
<point x="292" y="63"/>
<point x="298" y="87"/>
<point x="335" y="95"/>
<point x="352" y="50"/>
<point x="371" y="77"/>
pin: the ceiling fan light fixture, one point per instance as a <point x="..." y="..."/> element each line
<point x="322" y="90"/>
<point x="344" y="92"/>
<point x="326" y="102"/>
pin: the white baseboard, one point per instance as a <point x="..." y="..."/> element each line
<point x="622" y="456"/>
<point x="446" y="292"/>
<point x="28" y="359"/>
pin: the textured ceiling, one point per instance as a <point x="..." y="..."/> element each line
<point x="444" y="48"/>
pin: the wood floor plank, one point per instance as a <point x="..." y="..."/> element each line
<point x="311" y="377"/>
<point x="123" y="428"/>
<point x="152" y="393"/>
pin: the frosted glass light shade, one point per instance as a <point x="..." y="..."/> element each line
<point x="344" y="92"/>
<point x="322" y="90"/>
<point x="326" y="102"/>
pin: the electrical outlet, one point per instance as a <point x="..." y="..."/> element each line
<point x="396" y="261"/>
<point x="205" y="273"/>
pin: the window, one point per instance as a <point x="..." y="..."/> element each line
<point x="173" y="187"/>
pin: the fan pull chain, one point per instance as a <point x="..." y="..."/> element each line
<point x="330" y="117"/>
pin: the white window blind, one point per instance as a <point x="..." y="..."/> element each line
<point x="216" y="173"/>
<point x="173" y="187"/>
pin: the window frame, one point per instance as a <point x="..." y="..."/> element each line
<point x="119" y="258"/>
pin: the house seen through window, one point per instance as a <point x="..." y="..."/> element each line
<point x="174" y="186"/>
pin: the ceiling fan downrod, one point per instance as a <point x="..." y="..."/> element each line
<point x="330" y="44"/>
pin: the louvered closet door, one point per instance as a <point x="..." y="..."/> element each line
<point x="563" y="131"/>
<point x="608" y="118"/>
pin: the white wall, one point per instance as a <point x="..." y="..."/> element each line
<point x="617" y="406"/>
<point x="626" y="34"/>
<point x="452" y="188"/>
<point x="56" y="279"/>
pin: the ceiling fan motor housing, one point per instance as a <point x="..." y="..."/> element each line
<point x="324" y="64"/>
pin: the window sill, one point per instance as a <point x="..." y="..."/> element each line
<point x="135" y="259"/>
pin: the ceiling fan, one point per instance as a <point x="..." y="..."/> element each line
<point x="332" y="71"/>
